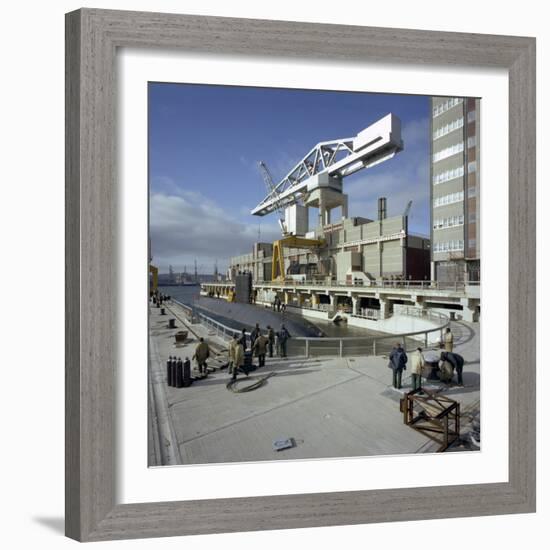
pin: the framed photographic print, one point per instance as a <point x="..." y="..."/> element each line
<point x="279" y="239"/>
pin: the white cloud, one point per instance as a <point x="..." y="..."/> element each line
<point x="188" y="226"/>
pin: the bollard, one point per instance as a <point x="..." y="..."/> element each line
<point x="171" y="323"/>
<point x="169" y="371"/>
<point x="162" y="311"/>
<point x="179" y="373"/>
<point x="187" y="373"/>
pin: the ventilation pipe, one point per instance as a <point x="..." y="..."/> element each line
<point x="382" y="208"/>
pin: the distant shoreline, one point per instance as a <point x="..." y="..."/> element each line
<point x="179" y="284"/>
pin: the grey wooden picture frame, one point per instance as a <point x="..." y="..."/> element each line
<point x="92" y="39"/>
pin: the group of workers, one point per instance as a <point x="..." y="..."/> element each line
<point x="261" y="344"/>
<point x="449" y="362"/>
<point x="278" y="305"/>
<point x="258" y="344"/>
<point x="158" y="298"/>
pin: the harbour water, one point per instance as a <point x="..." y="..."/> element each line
<point x="190" y="295"/>
<point x="184" y="294"/>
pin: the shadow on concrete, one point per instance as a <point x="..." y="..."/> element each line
<point x="293" y="366"/>
<point x="292" y="372"/>
<point x="465" y="335"/>
<point x="471" y="384"/>
<point x="57" y="525"/>
<point x="253" y="377"/>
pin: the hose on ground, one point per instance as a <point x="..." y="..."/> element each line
<point x="231" y="385"/>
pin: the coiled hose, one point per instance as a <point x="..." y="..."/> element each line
<point x="231" y="385"/>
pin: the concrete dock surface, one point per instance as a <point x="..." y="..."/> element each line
<point x="330" y="407"/>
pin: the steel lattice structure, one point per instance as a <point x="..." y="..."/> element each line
<point x="338" y="158"/>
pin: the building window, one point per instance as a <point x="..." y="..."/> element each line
<point x="448" y="128"/>
<point x="472" y="166"/>
<point x="471" y="243"/>
<point x="448" y="151"/>
<point x="449" y="246"/>
<point x="472" y="217"/>
<point x="446" y="105"/>
<point x="448" y="175"/>
<point x="471" y="116"/>
<point x="451" y="221"/>
<point x="449" y="199"/>
<point x="471" y="142"/>
<point x="471" y="192"/>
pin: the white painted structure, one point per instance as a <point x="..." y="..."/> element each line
<point x="296" y="219"/>
<point x="316" y="180"/>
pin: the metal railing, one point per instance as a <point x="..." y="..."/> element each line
<point x="455" y="286"/>
<point x="346" y="346"/>
<point x="367" y="313"/>
<point x="423" y="313"/>
<point x="372" y="345"/>
<point x="194" y="316"/>
<point x="324" y="308"/>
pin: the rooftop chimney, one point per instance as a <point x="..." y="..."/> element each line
<point x="382" y="208"/>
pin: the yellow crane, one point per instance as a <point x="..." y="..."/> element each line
<point x="292" y="241"/>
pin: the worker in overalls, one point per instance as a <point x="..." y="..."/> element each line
<point x="260" y="348"/>
<point x="282" y="337"/>
<point x="238" y="358"/>
<point x="457" y="363"/>
<point x="202" y="353"/>
<point x="398" y="361"/>
<point x="448" y="340"/>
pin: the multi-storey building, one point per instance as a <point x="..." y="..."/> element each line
<point x="455" y="189"/>
<point x="354" y="249"/>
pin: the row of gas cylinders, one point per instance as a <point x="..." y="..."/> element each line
<point x="178" y="372"/>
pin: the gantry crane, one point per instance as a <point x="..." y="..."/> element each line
<point x="316" y="181"/>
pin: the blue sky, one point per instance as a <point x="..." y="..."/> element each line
<point x="205" y="143"/>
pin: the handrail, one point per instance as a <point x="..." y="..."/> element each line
<point x="378" y="283"/>
<point x="209" y="320"/>
<point x="227" y="332"/>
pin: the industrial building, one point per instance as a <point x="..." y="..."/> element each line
<point x="354" y="250"/>
<point x="455" y="189"/>
<point x="365" y="267"/>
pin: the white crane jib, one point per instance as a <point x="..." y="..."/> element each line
<point x="317" y="179"/>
